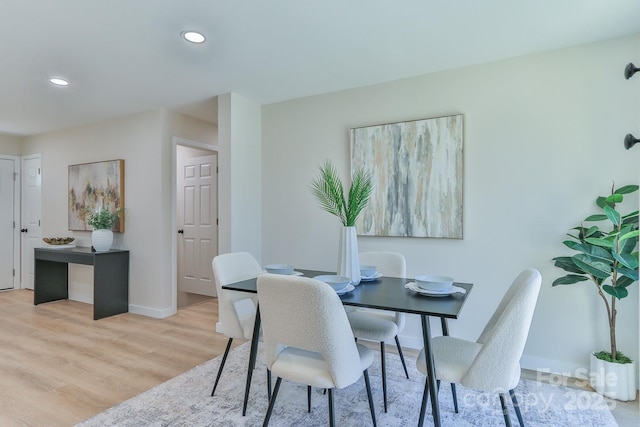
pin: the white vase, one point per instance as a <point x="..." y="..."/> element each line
<point x="348" y="262"/>
<point x="613" y="380"/>
<point x="101" y="240"/>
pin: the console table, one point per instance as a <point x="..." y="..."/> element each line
<point x="110" y="277"/>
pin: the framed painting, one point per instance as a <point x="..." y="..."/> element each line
<point x="416" y="170"/>
<point x="93" y="186"/>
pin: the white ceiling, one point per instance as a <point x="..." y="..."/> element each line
<point x="126" y="56"/>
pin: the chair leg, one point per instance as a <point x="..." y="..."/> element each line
<point x="224" y="359"/>
<point x="368" y="385"/>
<point x="505" y="410"/>
<point x="271" y="402"/>
<point x="384" y="375"/>
<point x="268" y="384"/>
<point x="404" y="365"/>
<point x="423" y="406"/>
<point x="308" y="398"/>
<point x="455" y="398"/>
<point x="332" y="421"/>
<point x="516" y="406"/>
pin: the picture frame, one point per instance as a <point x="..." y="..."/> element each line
<point x="93" y="186"/>
<point x="417" y="176"/>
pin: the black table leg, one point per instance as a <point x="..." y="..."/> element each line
<point x="431" y="369"/>
<point x="50" y="281"/>
<point x="252" y="359"/>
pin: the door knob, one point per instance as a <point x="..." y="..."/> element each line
<point x="180" y="231"/>
<point x="23" y="230"/>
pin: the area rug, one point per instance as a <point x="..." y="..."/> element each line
<point x="185" y="401"/>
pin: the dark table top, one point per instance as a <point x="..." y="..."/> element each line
<point x="386" y="293"/>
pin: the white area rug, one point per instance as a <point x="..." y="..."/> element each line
<point x="186" y="401"/>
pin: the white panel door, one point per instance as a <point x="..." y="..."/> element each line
<point x="7" y="223"/>
<point x="197" y="214"/>
<point x="31" y="216"/>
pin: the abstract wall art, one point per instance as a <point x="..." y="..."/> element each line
<point x="417" y="170"/>
<point x="93" y="186"/>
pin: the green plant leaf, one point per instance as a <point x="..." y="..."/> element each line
<point x="613" y="199"/>
<point x="595" y="252"/>
<point x="627" y="260"/>
<point x="604" y="242"/>
<point x="616" y="292"/>
<point x="589" y="265"/>
<point x="569" y="279"/>
<point x="627" y="189"/>
<point x="566" y="263"/>
<point x="623" y="282"/>
<point x="629" y="235"/>
<point x="613" y="215"/>
<point x="630" y="273"/>
<point x="596" y="217"/>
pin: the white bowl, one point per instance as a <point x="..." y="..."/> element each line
<point x="434" y="283"/>
<point x="279" y="268"/>
<point x="338" y="283"/>
<point x="367" y="270"/>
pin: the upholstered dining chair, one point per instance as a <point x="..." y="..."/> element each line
<point x="307" y="338"/>
<point x="379" y="325"/>
<point x="492" y="363"/>
<point x="236" y="310"/>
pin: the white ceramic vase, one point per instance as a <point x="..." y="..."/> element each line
<point x="348" y="261"/>
<point x="613" y="380"/>
<point x="101" y="240"/>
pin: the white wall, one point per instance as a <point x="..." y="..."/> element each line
<point x="144" y="142"/>
<point x="239" y="161"/>
<point x="543" y="138"/>
<point x="10" y="144"/>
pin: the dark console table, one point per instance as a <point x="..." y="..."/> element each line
<point x="110" y="277"/>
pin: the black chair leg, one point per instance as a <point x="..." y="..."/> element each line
<point x="272" y="402"/>
<point x="455" y="397"/>
<point x="516" y="406"/>
<point x="224" y="359"/>
<point x="384" y="375"/>
<point x="332" y="421"/>
<point x="423" y="406"/>
<point x="268" y="384"/>
<point x="404" y="365"/>
<point x="505" y="410"/>
<point x="308" y="398"/>
<point x="368" y="385"/>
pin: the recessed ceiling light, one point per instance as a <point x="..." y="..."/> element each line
<point x="58" y="81"/>
<point x="193" y="36"/>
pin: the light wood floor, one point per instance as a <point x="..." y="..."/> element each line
<point x="58" y="366"/>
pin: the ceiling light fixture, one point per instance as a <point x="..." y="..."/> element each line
<point x="193" y="36"/>
<point x="58" y="81"/>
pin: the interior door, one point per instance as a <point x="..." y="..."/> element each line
<point x="7" y="223"/>
<point x="31" y="215"/>
<point x="197" y="213"/>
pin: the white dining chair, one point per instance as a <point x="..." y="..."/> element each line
<point x="492" y="363"/>
<point x="380" y="325"/>
<point x="307" y="338"/>
<point x="236" y="310"/>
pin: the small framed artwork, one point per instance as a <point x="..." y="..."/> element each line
<point x="92" y="187"/>
<point x="416" y="170"/>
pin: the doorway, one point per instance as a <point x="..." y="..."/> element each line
<point x="9" y="222"/>
<point x="197" y="220"/>
<point x="31" y="215"/>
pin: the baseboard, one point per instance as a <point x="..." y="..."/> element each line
<point x="158" y="313"/>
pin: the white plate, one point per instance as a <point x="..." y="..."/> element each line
<point x="455" y="289"/>
<point x="349" y="288"/>
<point x="370" y="278"/>
<point x="48" y="246"/>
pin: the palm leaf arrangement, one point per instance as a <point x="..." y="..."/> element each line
<point x="328" y="190"/>
<point x="606" y="257"/>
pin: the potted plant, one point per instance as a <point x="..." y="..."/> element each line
<point x="607" y="257"/>
<point x="102" y="221"/>
<point x="329" y="192"/>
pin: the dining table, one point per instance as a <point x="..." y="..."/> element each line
<point x="382" y="293"/>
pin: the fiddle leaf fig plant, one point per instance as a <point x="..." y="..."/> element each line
<point x="607" y="256"/>
<point x="329" y="192"/>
